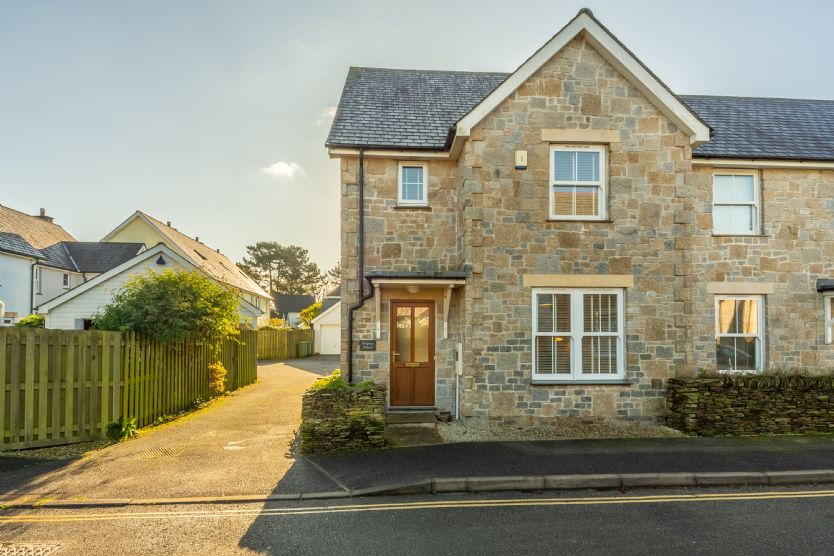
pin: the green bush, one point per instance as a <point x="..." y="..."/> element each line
<point x="336" y="382"/>
<point x="32" y="321"/>
<point x="173" y="306"/>
<point x="118" y="431"/>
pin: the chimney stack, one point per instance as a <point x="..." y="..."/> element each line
<point x="168" y="223"/>
<point x="43" y="216"/>
<point x="197" y="239"/>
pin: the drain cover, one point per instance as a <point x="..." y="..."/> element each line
<point x="156" y="453"/>
<point x="28" y="549"/>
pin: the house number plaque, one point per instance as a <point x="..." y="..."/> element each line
<point x="367" y="345"/>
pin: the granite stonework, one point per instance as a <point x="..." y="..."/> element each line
<point x="488" y="218"/>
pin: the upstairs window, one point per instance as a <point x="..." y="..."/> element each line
<point x="37" y="279"/>
<point x="577" y="183"/>
<point x="829" y="318"/>
<point x="412" y="189"/>
<point x="739" y="333"/>
<point x="735" y="209"/>
<point x="66" y="282"/>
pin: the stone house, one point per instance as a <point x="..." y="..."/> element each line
<point x="557" y="242"/>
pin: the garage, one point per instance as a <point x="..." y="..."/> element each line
<point x="327" y="328"/>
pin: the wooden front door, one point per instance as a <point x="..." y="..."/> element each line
<point x="412" y="353"/>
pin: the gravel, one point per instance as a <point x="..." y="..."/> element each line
<point x="66" y="451"/>
<point x="457" y="432"/>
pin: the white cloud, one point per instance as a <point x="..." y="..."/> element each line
<point x="283" y="169"/>
<point x="327" y="115"/>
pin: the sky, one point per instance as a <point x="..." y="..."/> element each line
<point x="213" y="114"/>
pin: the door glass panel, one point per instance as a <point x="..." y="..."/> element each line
<point x="421" y="335"/>
<point x="403" y="333"/>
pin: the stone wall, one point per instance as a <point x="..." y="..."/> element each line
<point x="795" y="248"/>
<point x="746" y="404"/>
<point x="508" y="233"/>
<point x="335" y="420"/>
<point x="401" y="239"/>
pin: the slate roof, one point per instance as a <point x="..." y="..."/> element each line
<point x="37" y="232"/>
<point x="391" y="108"/>
<point x="101" y="256"/>
<point x="406" y="108"/>
<point x="777" y="128"/>
<point x="214" y="263"/>
<point x="57" y="255"/>
<point x="14" y="243"/>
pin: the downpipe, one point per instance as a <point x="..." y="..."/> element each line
<point x="363" y="297"/>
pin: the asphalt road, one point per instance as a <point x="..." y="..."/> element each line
<point x="765" y="520"/>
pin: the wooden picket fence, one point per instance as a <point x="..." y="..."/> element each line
<point x="64" y="386"/>
<point x="282" y="344"/>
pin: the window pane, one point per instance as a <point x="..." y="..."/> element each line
<point x="564" y="165"/>
<point x="587" y="166"/>
<point x="600" y="312"/>
<point x="553" y="312"/>
<point x="738" y="316"/>
<point x="722" y="189"/>
<point x="412" y="183"/>
<point x="553" y="355"/>
<point x="722" y="218"/>
<point x="421" y="334"/>
<point x="587" y="201"/>
<point x="743" y="188"/>
<point x="737" y="354"/>
<point x="563" y="201"/>
<point x="742" y="218"/>
<point x="830" y="303"/>
<point x="599" y="355"/>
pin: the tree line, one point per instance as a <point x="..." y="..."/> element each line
<point x="287" y="269"/>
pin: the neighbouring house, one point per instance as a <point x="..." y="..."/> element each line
<point x="39" y="261"/>
<point x="327" y="327"/>
<point x="142" y="228"/>
<point x="76" y="308"/>
<point x="289" y="306"/>
<point x="556" y="243"/>
<point x="29" y="271"/>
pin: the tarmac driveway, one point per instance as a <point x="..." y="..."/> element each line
<point x="240" y="444"/>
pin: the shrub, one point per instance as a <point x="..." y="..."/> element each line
<point x="32" y="321"/>
<point x="118" y="431"/>
<point x="217" y="379"/>
<point x="307" y="315"/>
<point x="173" y="306"/>
<point x="336" y="382"/>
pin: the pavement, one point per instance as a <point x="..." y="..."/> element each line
<point x="537" y="465"/>
<point x="241" y="449"/>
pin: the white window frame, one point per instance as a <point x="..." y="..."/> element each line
<point x="602" y="183"/>
<point x="37" y="280"/>
<point x="755" y="203"/>
<point x="424" y="201"/>
<point x="827" y="302"/>
<point x="577" y="333"/>
<point x="65" y="280"/>
<point x="760" y="334"/>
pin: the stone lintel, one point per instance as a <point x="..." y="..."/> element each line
<point x="578" y="281"/>
<point x="580" y="135"/>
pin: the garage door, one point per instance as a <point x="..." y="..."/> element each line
<point x="331" y="339"/>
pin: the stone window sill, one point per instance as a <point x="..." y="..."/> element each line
<point x="413" y="207"/>
<point x="614" y="381"/>
<point x="739" y="235"/>
<point x="591" y="221"/>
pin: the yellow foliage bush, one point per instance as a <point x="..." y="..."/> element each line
<point x="217" y="379"/>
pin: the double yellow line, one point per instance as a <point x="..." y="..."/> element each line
<point x="82" y="515"/>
